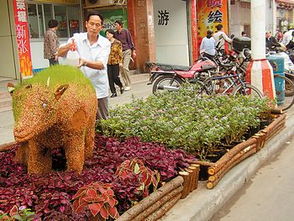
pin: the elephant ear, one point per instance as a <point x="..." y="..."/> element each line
<point x="60" y="90"/>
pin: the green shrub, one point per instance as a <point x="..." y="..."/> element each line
<point x="182" y="120"/>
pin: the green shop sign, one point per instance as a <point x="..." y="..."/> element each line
<point x="111" y="15"/>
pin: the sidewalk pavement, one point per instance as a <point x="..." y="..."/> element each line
<point x="202" y="203"/>
<point x="6" y="116"/>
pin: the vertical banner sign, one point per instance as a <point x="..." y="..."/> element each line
<point x="22" y="38"/>
<point x="209" y="14"/>
<point x="193" y="18"/>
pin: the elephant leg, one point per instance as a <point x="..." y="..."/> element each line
<point x="74" y="152"/>
<point x="21" y="154"/>
<point x="39" y="160"/>
<point x="89" y="139"/>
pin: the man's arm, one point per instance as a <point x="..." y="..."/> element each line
<point x="91" y="64"/>
<point x="62" y="51"/>
<point x="101" y="63"/>
<point x="131" y="43"/>
<point x="227" y="39"/>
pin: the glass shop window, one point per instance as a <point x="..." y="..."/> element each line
<point x="39" y="15"/>
<point x="74" y="23"/>
<point x="48" y="14"/>
<point x="33" y="21"/>
<point x="61" y="17"/>
<point x="41" y="20"/>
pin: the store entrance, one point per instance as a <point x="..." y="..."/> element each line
<point x="7" y="51"/>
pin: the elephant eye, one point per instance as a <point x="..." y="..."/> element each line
<point x="44" y="105"/>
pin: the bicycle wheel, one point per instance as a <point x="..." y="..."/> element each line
<point x="286" y="101"/>
<point x="247" y="89"/>
<point x="218" y="86"/>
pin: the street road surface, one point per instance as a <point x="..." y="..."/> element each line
<point x="269" y="196"/>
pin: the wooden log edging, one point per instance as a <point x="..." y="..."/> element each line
<point x="214" y="179"/>
<point x="275" y="126"/>
<point x="191" y="177"/>
<point x="165" y="199"/>
<point x="162" y="210"/>
<point x="230" y="154"/>
<point x="152" y="199"/>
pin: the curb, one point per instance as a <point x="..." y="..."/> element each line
<point x="202" y="204"/>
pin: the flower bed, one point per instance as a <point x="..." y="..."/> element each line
<point x="213" y="129"/>
<point x="51" y="195"/>
<point x="215" y="171"/>
<point x="182" y="120"/>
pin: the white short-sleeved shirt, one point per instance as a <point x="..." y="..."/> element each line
<point x="99" y="51"/>
<point x="208" y="46"/>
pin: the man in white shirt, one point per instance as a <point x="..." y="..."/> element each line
<point x="220" y="37"/>
<point x="94" y="51"/>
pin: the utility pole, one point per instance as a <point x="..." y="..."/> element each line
<point x="260" y="72"/>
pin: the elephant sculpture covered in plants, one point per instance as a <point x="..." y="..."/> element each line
<point x="56" y="108"/>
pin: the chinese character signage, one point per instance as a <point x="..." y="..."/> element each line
<point x="22" y="38"/>
<point x="163" y="17"/>
<point x="211" y="13"/>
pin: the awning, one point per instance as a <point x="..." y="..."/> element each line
<point x="285" y="4"/>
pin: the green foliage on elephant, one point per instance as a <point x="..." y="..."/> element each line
<point x="55" y="108"/>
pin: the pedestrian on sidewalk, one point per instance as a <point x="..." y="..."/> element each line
<point x="114" y="62"/>
<point x="94" y="51"/>
<point x="124" y="36"/>
<point x="51" y="42"/>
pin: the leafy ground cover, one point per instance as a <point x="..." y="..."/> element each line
<point x="51" y="196"/>
<point x="182" y="120"/>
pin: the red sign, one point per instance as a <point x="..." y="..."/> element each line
<point x="209" y="14"/>
<point x="22" y="38"/>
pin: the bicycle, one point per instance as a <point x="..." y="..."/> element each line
<point x="230" y="83"/>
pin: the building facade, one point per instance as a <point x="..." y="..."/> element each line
<point x="162" y="31"/>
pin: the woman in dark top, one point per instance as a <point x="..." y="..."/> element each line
<point x="114" y="61"/>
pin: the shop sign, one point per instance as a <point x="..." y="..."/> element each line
<point x="110" y="16"/>
<point x="22" y="38"/>
<point x="163" y="17"/>
<point x="60" y="1"/>
<point x="211" y="13"/>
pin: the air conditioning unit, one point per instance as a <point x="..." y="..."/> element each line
<point x="97" y="3"/>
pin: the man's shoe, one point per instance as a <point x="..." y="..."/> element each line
<point x="122" y="90"/>
<point x="127" y="88"/>
<point x="114" y="95"/>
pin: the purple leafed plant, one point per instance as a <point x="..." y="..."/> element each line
<point x="50" y="195"/>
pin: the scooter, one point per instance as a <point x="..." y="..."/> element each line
<point x="170" y="77"/>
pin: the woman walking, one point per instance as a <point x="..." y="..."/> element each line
<point x="114" y="61"/>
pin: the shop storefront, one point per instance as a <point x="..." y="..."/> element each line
<point x="285" y="14"/>
<point x="240" y="20"/>
<point x="69" y="16"/>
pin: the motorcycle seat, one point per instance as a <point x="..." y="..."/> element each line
<point x="230" y="65"/>
<point x="172" y="67"/>
<point x="207" y="67"/>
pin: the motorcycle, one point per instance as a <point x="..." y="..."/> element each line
<point x="170" y="77"/>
